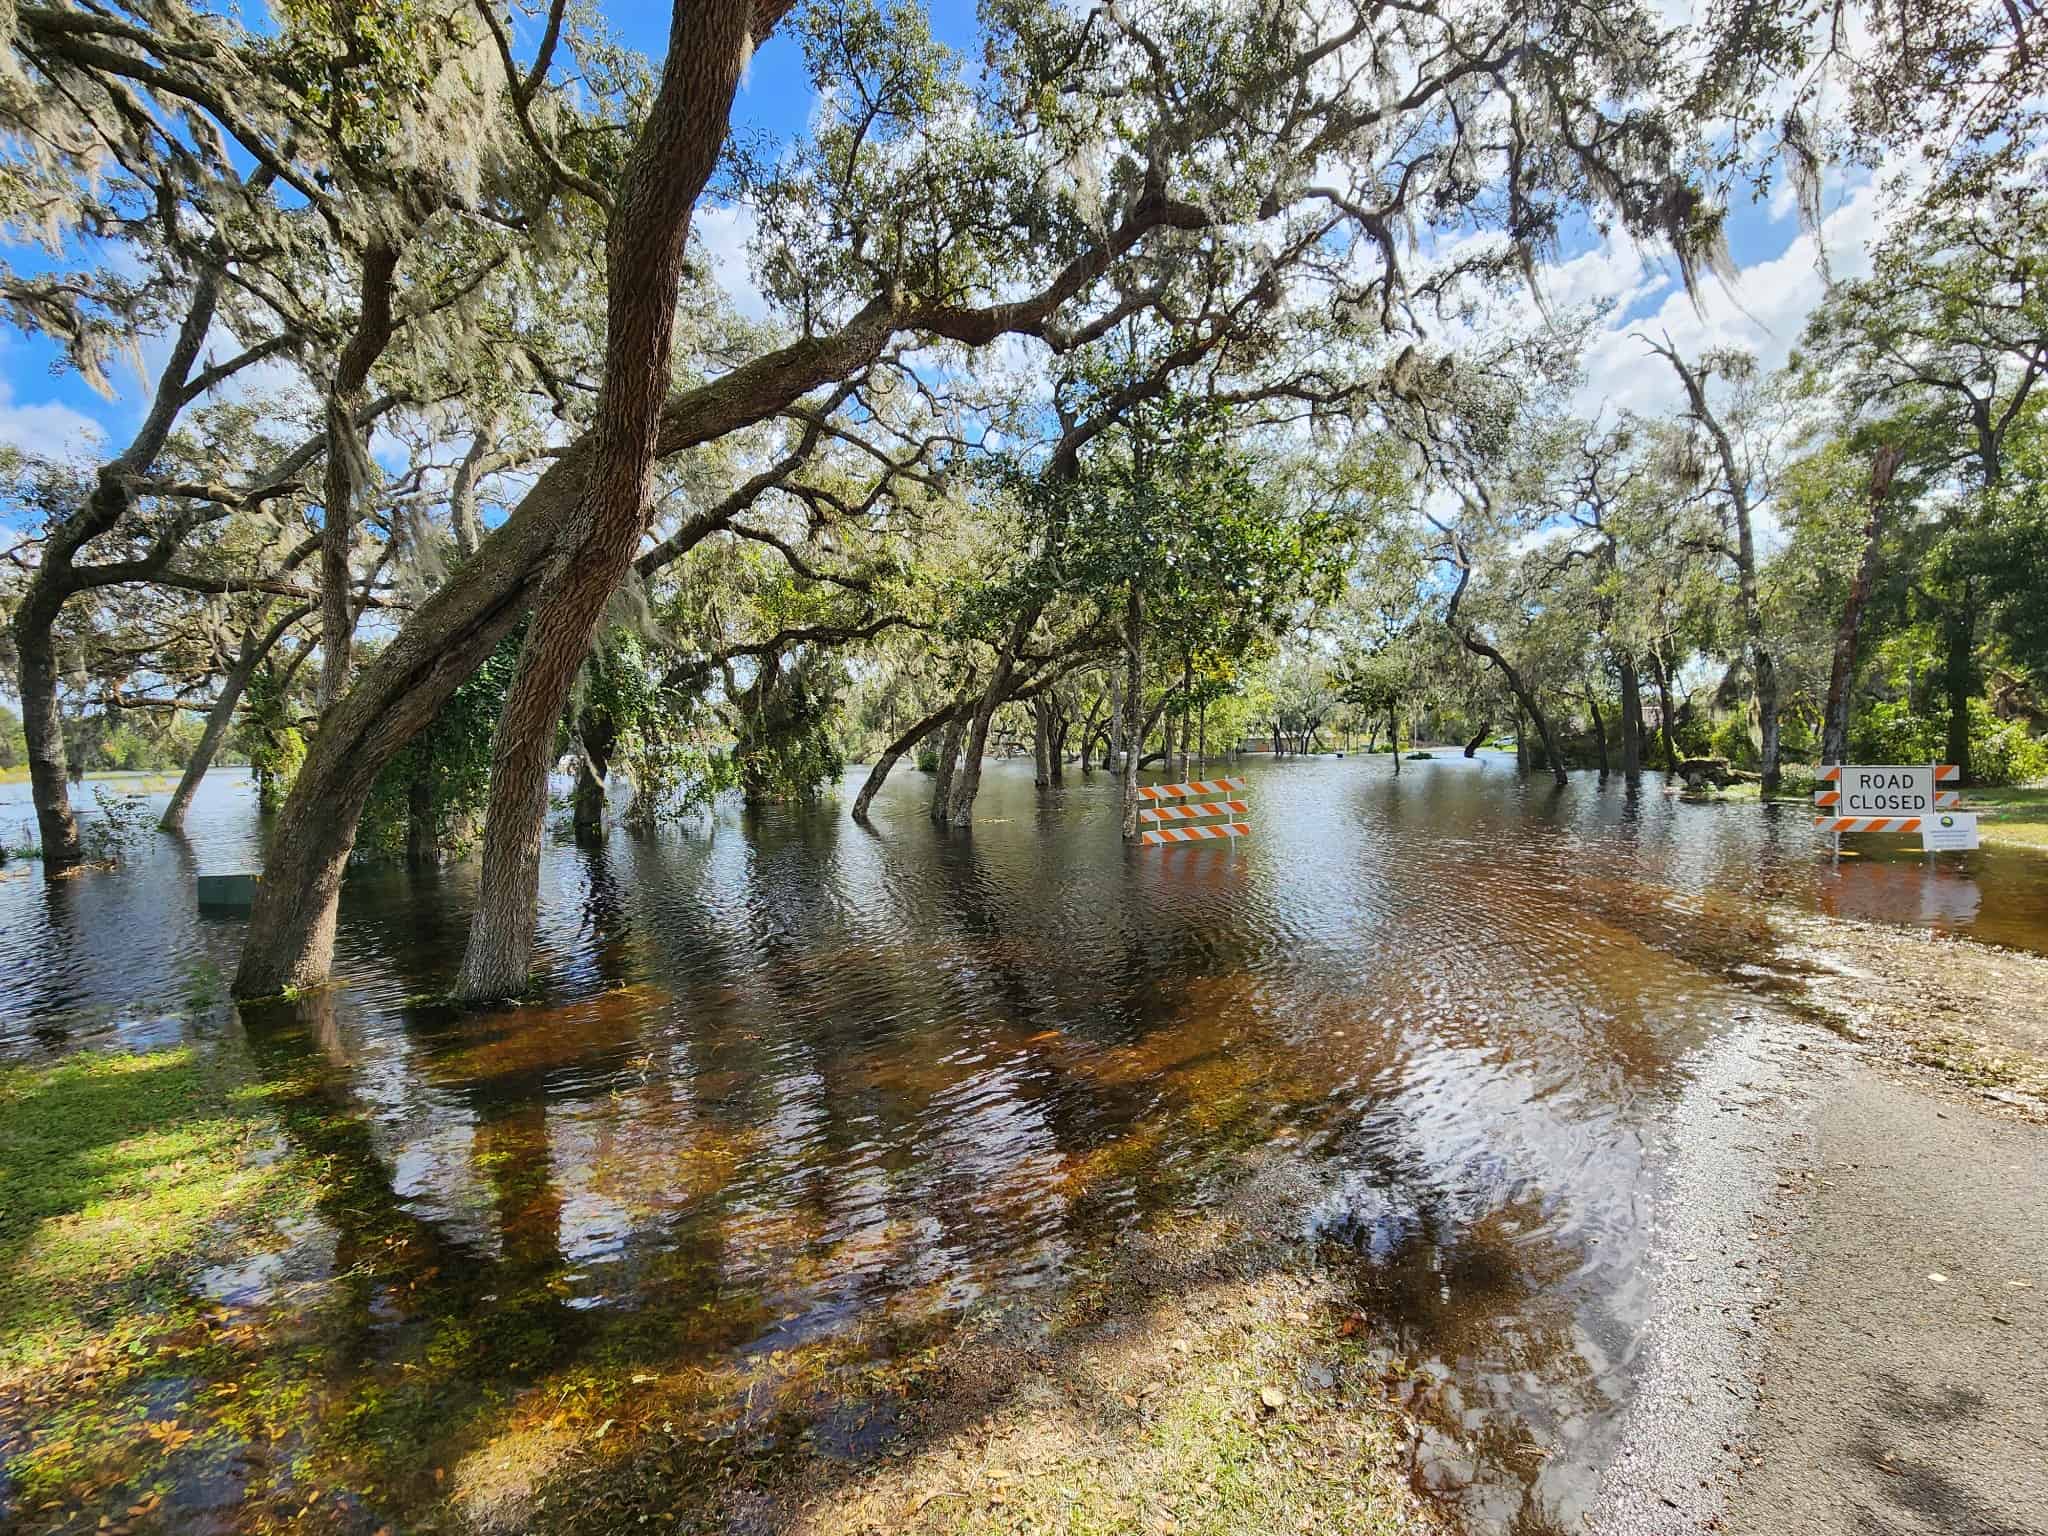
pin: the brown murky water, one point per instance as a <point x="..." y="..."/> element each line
<point x="794" y="1082"/>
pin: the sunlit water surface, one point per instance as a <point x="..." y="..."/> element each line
<point x="790" y="1078"/>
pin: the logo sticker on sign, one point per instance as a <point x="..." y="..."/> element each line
<point x="1950" y="832"/>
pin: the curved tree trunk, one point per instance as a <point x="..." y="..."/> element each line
<point x="348" y="461"/>
<point x="1478" y="736"/>
<point x="1599" y="729"/>
<point x="55" y="578"/>
<point x="289" y="939"/>
<point x="671" y="160"/>
<point x="1525" y="701"/>
<point x="967" y="775"/>
<point x="893" y="754"/>
<point x="255" y="647"/>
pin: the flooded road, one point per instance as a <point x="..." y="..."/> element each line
<point x="793" y="1085"/>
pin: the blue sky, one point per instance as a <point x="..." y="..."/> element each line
<point x="48" y="410"/>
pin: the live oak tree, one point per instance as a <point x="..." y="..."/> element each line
<point x="255" y="195"/>
<point x="1943" y="350"/>
<point x="1106" y="165"/>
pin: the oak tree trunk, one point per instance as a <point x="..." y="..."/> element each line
<point x="1134" y="709"/>
<point x="1959" y="678"/>
<point x="1667" y="727"/>
<point x="677" y="148"/>
<point x="949" y="763"/>
<point x="878" y="775"/>
<point x="1631" y="719"/>
<point x="347" y="463"/>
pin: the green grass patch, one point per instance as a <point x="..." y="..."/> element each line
<point x="112" y="1169"/>
<point x="122" y="1176"/>
<point x="2021" y="819"/>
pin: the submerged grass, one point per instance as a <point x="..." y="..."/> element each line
<point x="119" y="1175"/>
<point x="1208" y="1377"/>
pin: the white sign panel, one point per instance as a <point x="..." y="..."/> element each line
<point x="1868" y="789"/>
<point x="1949" y="832"/>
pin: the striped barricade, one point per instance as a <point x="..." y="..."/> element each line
<point x="1901" y="798"/>
<point x="1163" y="810"/>
<point x="1189" y="790"/>
<point x="1867" y="823"/>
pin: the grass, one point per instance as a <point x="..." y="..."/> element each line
<point x="1214" y="1374"/>
<point x="2022" y="819"/>
<point x="121" y="1175"/>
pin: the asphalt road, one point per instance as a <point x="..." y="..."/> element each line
<point x="1904" y="1365"/>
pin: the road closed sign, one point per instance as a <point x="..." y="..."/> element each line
<point x="1949" y="832"/>
<point x="1885" y="789"/>
<point x="1873" y="790"/>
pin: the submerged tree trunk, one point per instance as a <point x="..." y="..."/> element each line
<point x="1959" y="678"/>
<point x="56" y="577"/>
<point x="1631" y="719"/>
<point x="1041" y="746"/>
<point x="1667" y="726"/>
<point x="1549" y="740"/>
<point x="673" y="157"/>
<point x="1768" y="721"/>
<point x="967" y="777"/>
<point x="949" y="762"/>
<point x="1599" y="728"/>
<point x="878" y="775"/>
<point x="1394" y="734"/>
<point x="42" y="723"/>
<point x="1134" y="708"/>
<point x="1525" y="699"/>
<point x="1478" y="737"/>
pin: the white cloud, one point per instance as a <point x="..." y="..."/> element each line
<point x="47" y="427"/>
<point x="725" y="231"/>
<point x="1763" y="310"/>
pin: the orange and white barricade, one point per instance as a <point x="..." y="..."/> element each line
<point x="1188" y="822"/>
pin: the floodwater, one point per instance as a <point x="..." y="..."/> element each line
<point x="792" y="1082"/>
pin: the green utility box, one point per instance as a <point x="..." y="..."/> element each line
<point x="234" y="894"/>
